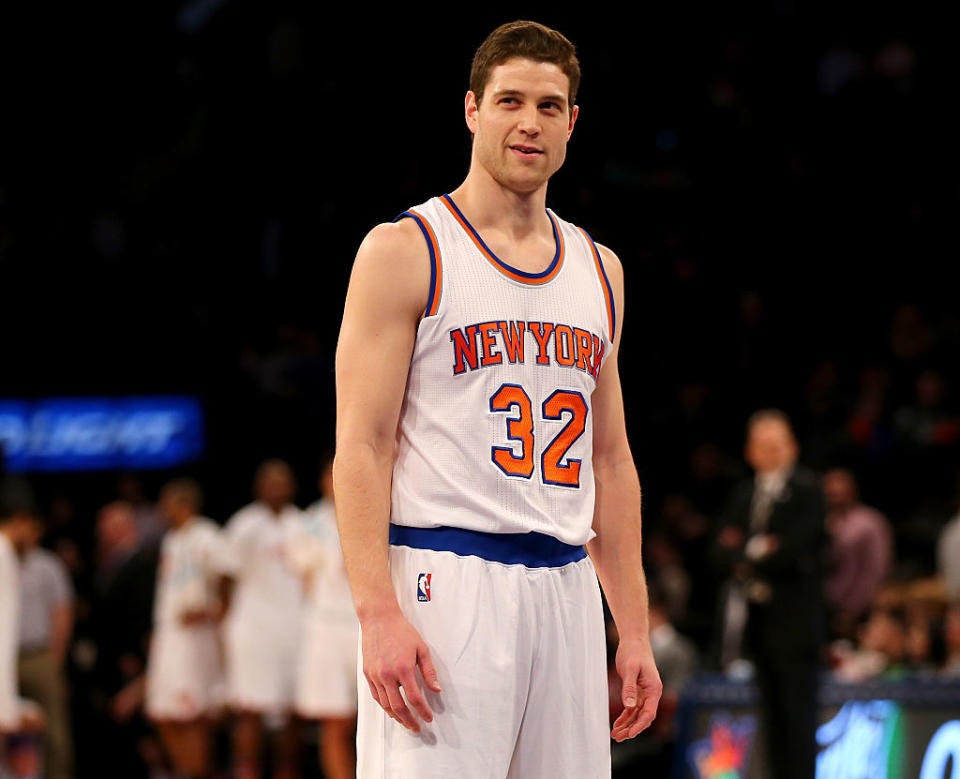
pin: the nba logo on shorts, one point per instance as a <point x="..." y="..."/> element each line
<point x="423" y="587"/>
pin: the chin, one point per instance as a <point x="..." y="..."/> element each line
<point x="523" y="184"/>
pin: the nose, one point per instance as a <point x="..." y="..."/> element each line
<point x="529" y="121"/>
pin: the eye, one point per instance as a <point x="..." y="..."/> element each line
<point x="550" y="105"/>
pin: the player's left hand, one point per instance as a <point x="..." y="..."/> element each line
<point x="642" y="688"/>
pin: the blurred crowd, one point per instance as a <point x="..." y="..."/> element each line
<point x="91" y="613"/>
<point x="174" y="647"/>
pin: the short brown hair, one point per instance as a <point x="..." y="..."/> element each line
<point x="529" y="40"/>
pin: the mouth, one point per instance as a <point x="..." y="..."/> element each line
<point x="527" y="151"/>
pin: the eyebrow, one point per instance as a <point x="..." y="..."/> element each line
<point x="561" y="99"/>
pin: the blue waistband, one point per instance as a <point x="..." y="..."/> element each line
<point x="534" y="550"/>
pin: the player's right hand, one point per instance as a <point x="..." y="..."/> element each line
<point x="392" y="651"/>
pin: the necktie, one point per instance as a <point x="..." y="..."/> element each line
<point x="760" y="508"/>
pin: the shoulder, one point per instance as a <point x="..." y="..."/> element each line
<point x="205" y="527"/>
<point x="611" y="262"/>
<point x="392" y="268"/>
<point x="47" y="560"/>
<point x="395" y="248"/>
<point x="250" y="514"/>
<point x="952" y="530"/>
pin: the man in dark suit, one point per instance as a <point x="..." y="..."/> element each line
<point x="770" y="542"/>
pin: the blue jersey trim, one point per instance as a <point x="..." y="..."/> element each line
<point x="606" y="283"/>
<point x="525" y="274"/>
<point x="534" y="550"/>
<point x="432" y="297"/>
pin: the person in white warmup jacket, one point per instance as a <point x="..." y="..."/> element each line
<point x="327" y="664"/>
<point x="184" y="672"/>
<point x="261" y="629"/>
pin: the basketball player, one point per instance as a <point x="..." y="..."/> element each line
<point x="17" y="515"/>
<point x="184" y="676"/>
<point x="481" y="432"/>
<point x="262" y="626"/>
<point x="327" y="664"/>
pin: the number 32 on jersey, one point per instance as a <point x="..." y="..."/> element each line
<point x="518" y="459"/>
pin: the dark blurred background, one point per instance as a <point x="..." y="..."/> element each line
<point x="181" y="204"/>
<point x="181" y="209"/>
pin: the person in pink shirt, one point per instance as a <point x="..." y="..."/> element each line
<point x="860" y="552"/>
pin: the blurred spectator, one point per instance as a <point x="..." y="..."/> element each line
<point x="184" y="675"/>
<point x="861" y="550"/>
<point x="124" y="580"/>
<point x="926" y="422"/>
<point x="770" y="541"/>
<point x="951" y="640"/>
<point x="46" y="624"/>
<point x="676" y="658"/>
<point x="948" y="556"/>
<point x="327" y="665"/>
<point x="262" y="626"/>
<point x="667" y="575"/>
<point x="911" y="336"/>
<point x="865" y="424"/>
<point x="918" y="644"/>
<point x="882" y="648"/>
<point x="146" y="516"/>
<point x="17" y="516"/>
<point x="693" y="534"/>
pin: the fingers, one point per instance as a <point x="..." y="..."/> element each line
<point x="400" y="710"/>
<point x="412" y="690"/>
<point x="379" y="694"/>
<point x="624" y="723"/>
<point x="648" y="712"/>
<point x="427" y="670"/>
<point x="636" y="719"/>
<point x="373" y="691"/>
<point x="386" y="692"/>
<point x="629" y="695"/>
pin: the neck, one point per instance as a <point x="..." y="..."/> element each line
<point x="488" y="202"/>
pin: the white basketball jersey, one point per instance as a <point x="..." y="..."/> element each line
<point x="496" y="427"/>
<point x="187" y="573"/>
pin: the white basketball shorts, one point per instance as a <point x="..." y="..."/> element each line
<point x="261" y="666"/>
<point x="327" y="670"/>
<point x="184" y="673"/>
<point x="514" y="624"/>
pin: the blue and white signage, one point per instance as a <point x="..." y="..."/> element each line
<point x="71" y="434"/>
<point x="943" y="752"/>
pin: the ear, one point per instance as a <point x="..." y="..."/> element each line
<point x="470" y="108"/>
<point x="573" y="120"/>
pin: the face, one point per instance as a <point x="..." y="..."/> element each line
<point x="770" y="446"/>
<point x="275" y="486"/>
<point x="174" y="507"/>
<point x="33" y="532"/>
<point x="522" y="125"/>
<point x="839" y="489"/>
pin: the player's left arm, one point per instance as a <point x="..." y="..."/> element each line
<point x="615" y="550"/>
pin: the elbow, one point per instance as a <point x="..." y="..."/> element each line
<point x="356" y="450"/>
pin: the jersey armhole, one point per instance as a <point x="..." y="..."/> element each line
<point x="604" y="285"/>
<point x="436" y="269"/>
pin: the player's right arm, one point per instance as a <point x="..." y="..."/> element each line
<point x="387" y="295"/>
